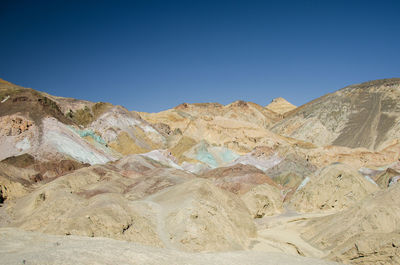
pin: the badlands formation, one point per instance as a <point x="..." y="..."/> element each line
<point x="204" y="183"/>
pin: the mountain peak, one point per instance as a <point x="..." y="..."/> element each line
<point x="280" y="99"/>
<point x="280" y="105"/>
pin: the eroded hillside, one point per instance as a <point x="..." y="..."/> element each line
<point x="247" y="184"/>
<point x="363" y="115"/>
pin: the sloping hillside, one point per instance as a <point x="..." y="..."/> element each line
<point x="54" y="128"/>
<point x="363" y="115"/>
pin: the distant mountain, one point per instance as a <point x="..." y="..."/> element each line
<point x="363" y="115"/>
<point x="280" y="106"/>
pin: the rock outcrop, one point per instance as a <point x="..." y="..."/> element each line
<point x="263" y="200"/>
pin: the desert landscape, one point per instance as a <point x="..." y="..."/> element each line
<point x="202" y="183"/>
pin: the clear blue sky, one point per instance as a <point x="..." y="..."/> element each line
<point x="153" y="55"/>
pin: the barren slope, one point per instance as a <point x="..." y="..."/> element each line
<point x="363" y="115"/>
<point x="52" y="128"/>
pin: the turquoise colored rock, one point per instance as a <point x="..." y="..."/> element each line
<point x="90" y="133"/>
<point x="204" y="156"/>
<point x="228" y="156"/>
<point x="215" y="156"/>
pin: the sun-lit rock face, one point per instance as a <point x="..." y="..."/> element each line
<point x="239" y="126"/>
<point x="61" y="139"/>
<point x="280" y="106"/>
<point x="18" y="135"/>
<point x="126" y="132"/>
<point x="363" y="115"/>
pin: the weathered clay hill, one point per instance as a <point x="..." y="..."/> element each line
<point x="239" y="126"/>
<point x="363" y="115"/>
<point x="50" y="127"/>
<point x="203" y="183"/>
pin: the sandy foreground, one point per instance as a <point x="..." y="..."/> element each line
<point x="21" y="247"/>
<point x="278" y="242"/>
